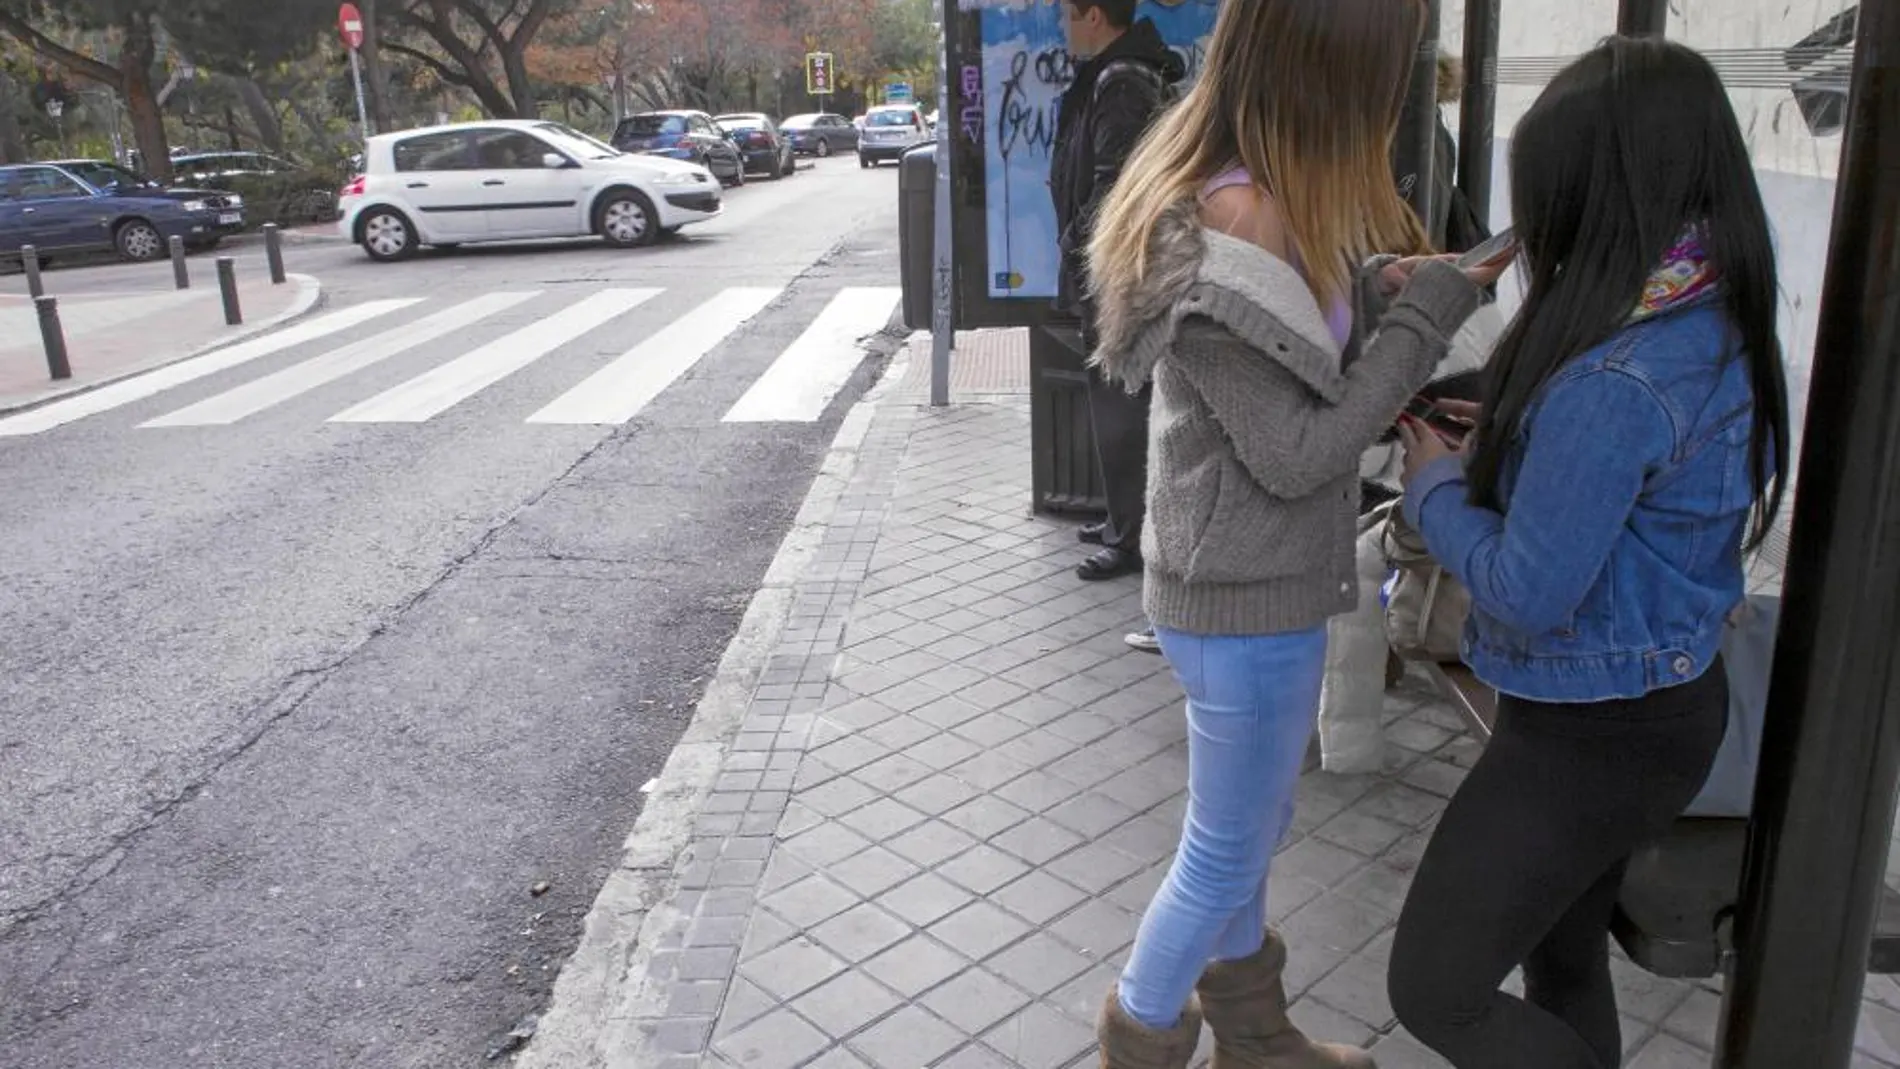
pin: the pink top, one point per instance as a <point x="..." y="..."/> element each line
<point x="1339" y="316"/>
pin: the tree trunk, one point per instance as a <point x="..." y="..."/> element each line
<point x="269" y="129"/>
<point x="375" y="78"/>
<point x="12" y="142"/>
<point x="141" y="100"/>
<point x="514" y="64"/>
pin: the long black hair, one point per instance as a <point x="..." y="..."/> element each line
<point x="1625" y="150"/>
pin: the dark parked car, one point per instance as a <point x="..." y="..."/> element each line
<point x="103" y="175"/>
<point x="683" y="135"/>
<point x="821" y="134"/>
<point x="277" y="190"/>
<point x="765" y="149"/>
<point x="57" y="213"/>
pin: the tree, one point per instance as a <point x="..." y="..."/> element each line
<point x="233" y="33"/>
<point x="464" y="41"/>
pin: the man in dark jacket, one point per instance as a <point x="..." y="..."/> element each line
<point x="1123" y="78"/>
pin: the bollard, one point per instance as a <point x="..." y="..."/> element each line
<point x="274" y="253"/>
<point x="53" y="338"/>
<point x="227" y="286"/>
<point x="181" y="275"/>
<point x="30" y="263"/>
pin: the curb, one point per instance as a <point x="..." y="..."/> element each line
<point x="625" y="924"/>
<point x="309" y="296"/>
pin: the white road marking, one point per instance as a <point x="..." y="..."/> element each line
<point x="810" y="372"/>
<point x="429" y="395"/>
<point x="616" y="393"/>
<point x="125" y="392"/>
<point x="271" y="390"/>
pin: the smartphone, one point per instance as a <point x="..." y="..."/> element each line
<point x="1449" y="427"/>
<point x="1500" y="248"/>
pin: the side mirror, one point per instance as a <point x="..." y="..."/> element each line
<point x="554" y="161"/>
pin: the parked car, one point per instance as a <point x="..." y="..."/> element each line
<point x="278" y="190"/>
<point x="512" y="179"/>
<point x="56" y="212"/>
<point x="683" y="135"/>
<point x="108" y="176"/>
<point x="889" y="132"/>
<point x="820" y="134"/>
<point x="765" y="148"/>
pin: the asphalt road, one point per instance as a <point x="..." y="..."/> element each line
<point x="298" y="711"/>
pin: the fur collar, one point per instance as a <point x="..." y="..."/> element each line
<point x="1194" y="271"/>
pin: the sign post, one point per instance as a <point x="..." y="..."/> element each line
<point x="819" y="76"/>
<point x="349" y="23"/>
<point x="943" y="269"/>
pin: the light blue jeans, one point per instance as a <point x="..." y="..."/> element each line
<point x="1252" y="703"/>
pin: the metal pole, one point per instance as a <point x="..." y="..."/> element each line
<point x="1642" y="18"/>
<point x="943" y="271"/>
<point x="181" y="272"/>
<point x="30" y="263"/>
<point x="1418" y="127"/>
<point x="362" y="112"/>
<point x="1824" y="798"/>
<point x="274" y="253"/>
<point x="1478" y="113"/>
<point x="227" y="288"/>
<point x="53" y="338"/>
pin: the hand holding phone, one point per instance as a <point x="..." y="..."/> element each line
<point x="1452" y="429"/>
<point x="1495" y="254"/>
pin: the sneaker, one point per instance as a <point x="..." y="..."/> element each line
<point x="1144" y="640"/>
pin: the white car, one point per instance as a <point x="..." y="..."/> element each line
<point x="890" y="131"/>
<point x="510" y="179"/>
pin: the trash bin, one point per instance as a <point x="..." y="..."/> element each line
<point x="1064" y="478"/>
<point x="916" y="231"/>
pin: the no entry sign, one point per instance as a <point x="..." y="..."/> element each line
<point x="349" y="22"/>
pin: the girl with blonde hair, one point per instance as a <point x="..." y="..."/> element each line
<point x="1226" y="265"/>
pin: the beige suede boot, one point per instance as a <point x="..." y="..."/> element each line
<point x="1128" y="1044"/>
<point x="1245" y="1004"/>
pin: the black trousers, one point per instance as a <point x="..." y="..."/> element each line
<point x="1525" y="867"/>
<point x="1121" y="455"/>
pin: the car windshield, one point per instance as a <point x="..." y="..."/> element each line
<point x="799" y="122"/>
<point x="892" y="118"/>
<point x="101" y="175"/>
<point x="741" y="122"/>
<point x="575" y="142"/>
<point x="651" y="125"/>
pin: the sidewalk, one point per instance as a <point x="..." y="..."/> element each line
<point x="930" y="838"/>
<point x="110" y="336"/>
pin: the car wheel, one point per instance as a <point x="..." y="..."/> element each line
<point x="864" y="161"/>
<point x="791" y="165"/>
<point x="824" y="147"/>
<point x="138" y="240"/>
<point x="627" y="220"/>
<point x="773" y="171"/>
<point x="388" y="235"/>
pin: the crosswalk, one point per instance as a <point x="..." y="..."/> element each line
<point x="472" y="352"/>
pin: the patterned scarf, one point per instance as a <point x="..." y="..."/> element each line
<point x="1684" y="277"/>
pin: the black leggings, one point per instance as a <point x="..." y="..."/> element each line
<point x="1525" y="867"/>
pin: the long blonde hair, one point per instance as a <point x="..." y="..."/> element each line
<point x="1306" y="95"/>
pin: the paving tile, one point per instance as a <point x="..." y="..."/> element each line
<point x="924" y="899"/>
<point x="792" y="969"/>
<point x="985" y="816"/>
<point x="811" y="901"/>
<point x="860" y="932"/>
<point x="916" y="965"/>
<point x="1339" y="922"/>
<point x="907" y="1039"/>
<point x="983" y="869"/>
<point x="827" y="844"/>
<point x="873" y="872"/>
<point x="1091" y="815"/>
<point x="1038" y="840"/>
<point x="978" y="930"/>
<point x="837" y="797"/>
<point x="936" y="795"/>
<point x="1097" y="928"/>
<point x="975" y="1000"/>
<point x="1039" y="1038"/>
<point x="778" y="1040"/>
<point x="1361" y="833"/>
<point x="931" y="844"/>
<point x="891" y="773"/>
<point x="1039" y="897"/>
<point x="1357" y="987"/>
<point x="1039" y="964"/>
<point x="845" y="1003"/>
<point x="882" y="820"/>
<point x="1094" y="867"/>
<point x="1667" y="1052"/>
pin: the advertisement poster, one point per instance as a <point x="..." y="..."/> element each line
<point x="1025" y="69"/>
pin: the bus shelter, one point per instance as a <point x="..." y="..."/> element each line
<point x="1789" y="906"/>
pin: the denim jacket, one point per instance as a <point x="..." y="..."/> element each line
<point x="1627" y="493"/>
